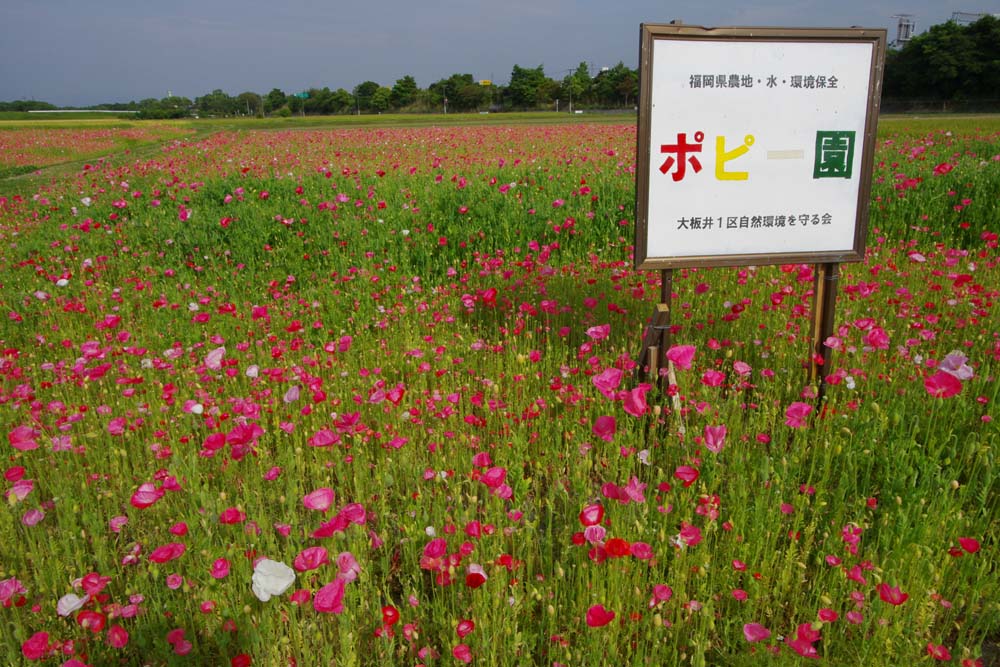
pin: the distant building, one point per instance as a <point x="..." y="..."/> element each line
<point x="906" y="26"/>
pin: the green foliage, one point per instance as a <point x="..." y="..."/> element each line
<point x="948" y="62"/>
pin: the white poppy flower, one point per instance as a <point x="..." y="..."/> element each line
<point x="69" y="603"/>
<point x="271" y="578"/>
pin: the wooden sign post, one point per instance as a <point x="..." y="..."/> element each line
<point x="755" y="146"/>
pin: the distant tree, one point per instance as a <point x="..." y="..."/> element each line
<point x="26" y="105"/>
<point x="462" y="91"/>
<point x="616" y="86"/>
<point x="341" y="101"/>
<point x="249" y="103"/>
<point x="381" y="99"/>
<point x="295" y="104"/>
<point x="216" y="103"/>
<point x="404" y="93"/>
<point x="364" y="92"/>
<point x="527" y="86"/>
<point x="575" y="87"/>
<point x="274" y="100"/>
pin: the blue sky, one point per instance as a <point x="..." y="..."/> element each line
<point x="80" y="52"/>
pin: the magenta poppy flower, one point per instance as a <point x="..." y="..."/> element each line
<point x="23" y="438"/>
<point x="348" y="567"/>
<point x="311" y="558"/>
<point x="892" y="594"/>
<point x="117" y="636"/>
<point x="969" y="544"/>
<point x="167" y="552"/>
<point x="755" y="632"/>
<point x="36" y="647"/>
<point x="462" y="653"/>
<point x="220" y="568"/>
<point x="232" y="515"/>
<point x="591" y="515"/>
<point x="598" y="616"/>
<point x="713" y="378"/>
<point x="324" y="438"/>
<point x="146" y="495"/>
<point x="942" y="385"/>
<point x="464" y="628"/>
<point x="605" y="427"/>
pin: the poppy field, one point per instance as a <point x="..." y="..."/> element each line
<point x="370" y="397"/>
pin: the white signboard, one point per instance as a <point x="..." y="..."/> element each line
<point x="755" y="145"/>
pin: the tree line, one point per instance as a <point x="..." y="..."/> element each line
<point x="949" y="62"/>
<point x="529" y="89"/>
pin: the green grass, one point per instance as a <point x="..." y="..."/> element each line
<point x="470" y="335"/>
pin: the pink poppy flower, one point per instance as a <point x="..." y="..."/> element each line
<point x="23" y="438"/>
<point x="220" y="568"/>
<point x="311" y="558"/>
<point x="599" y="332"/>
<point x="213" y="360"/>
<point x="634" y="401"/>
<point x="320" y="500"/>
<point x="462" y="653"/>
<point x="681" y="356"/>
<point x="755" y="632"/>
<point x="324" y="438"/>
<point x="796" y="413"/>
<point x="687" y="475"/>
<point x="607" y="381"/>
<point x="938" y="651"/>
<point x="330" y="598"/>
<point x="348" y="567"/>
<point x="713" y="378"/>
<point x="146" y="495"/>
<point x="715" y="438"/>
<point x="591" y="515"/>
<point x="464" y="628"/>
<point x="117" y="636"/>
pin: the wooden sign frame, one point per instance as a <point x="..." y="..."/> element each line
<point x="674" y="110"/>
